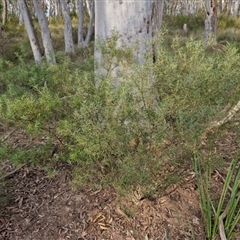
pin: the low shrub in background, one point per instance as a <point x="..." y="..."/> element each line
<point x="194" y="22"/>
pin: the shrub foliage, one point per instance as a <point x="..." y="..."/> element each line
<point x="125" y="135"/>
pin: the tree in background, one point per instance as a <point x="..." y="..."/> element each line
<point x="81" y="41"/>
<point x="4" y="12"/>
<point x="80" y="23"/>
<point x="211" y="21"/>
<point x="45" y="32"/>
<point x="69" y="46"/>
<point x="30" y="30"/>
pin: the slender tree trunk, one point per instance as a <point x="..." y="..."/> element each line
<point x="88" y="2"/>
<point x="211" y="21"/>
<point x="4" y="12"/>
<point x="30" y="30"/>
<point x="90" y="25"/>
<point x="46" y="36"/>
<point x="76" y="5"/>
<point x="56" y="8"/>
<point x="220" y="6"/>
<point x="69" y="46"/>
<point x="80" y="24"/>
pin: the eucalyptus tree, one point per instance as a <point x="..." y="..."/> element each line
<point x="211" y="21"/>
<point x="30" y="30"/>
<point x="4" y="12"/>
<point x="235" y="7"/>
<point x="132" y="20"/>
<point x="81" y="41"/>
<point x="54" y="8"/>
<point x="69" y="45"/>
<point x="45" y="32"/>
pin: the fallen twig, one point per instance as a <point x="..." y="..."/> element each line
<point x="229" y="116"/>
<point x="223" y="179"/>
<point x="226" y="119"/>
<point x="14" y="171"/>
<point x="5" y="139"/>
<point x="221" y="225"/>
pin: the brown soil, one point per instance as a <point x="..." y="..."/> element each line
<point x="42" y="207"/>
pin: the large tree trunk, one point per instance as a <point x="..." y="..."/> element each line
<point x="46" y="37"/>
<point x="4" y="12"/>
<point x="30" y="31"/>
<point x="69" y="46"/>
<point x="211" y="21"/>
<point x="133" y="20"/>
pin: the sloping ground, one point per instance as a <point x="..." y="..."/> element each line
<point x="38" y="206"/>
<point x="42" y="207"/>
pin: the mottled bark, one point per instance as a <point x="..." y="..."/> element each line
<point x="69" y="46"/>
<point x="211" y="21"/>
<point x="46" y="36"/>
<point x="133" y="20"/>
<point x="235" y="7"/>
<point x="30" y="30"/>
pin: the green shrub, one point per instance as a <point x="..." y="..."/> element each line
<point x="225" y="22"/>
<point x="130" y="134"/>
<point x="194" y="22"/>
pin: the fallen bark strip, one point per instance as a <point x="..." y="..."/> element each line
<point x="221" y="225"/>
<point x="229" y="116"/>
<point x="5" y="139"/>
<point x="226" y="119"/>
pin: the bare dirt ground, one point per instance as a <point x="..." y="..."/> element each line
<point x="43" y="207"/>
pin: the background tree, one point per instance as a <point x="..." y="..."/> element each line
<point x="81" y="41"/>
<point x="235" y="7"/>
<point x="4" y="12"/>
<point x="30" y="30"/>
<point x="132" y="20"/>
<point x="69" y="46"/>
<point x="211" y="20"/>
<point x="46" y="36"/>
<point x="80" y="23"/>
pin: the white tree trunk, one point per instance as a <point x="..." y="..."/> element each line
<point x="46" y="37"/>
<point x="235" y="6"/>
<point x="88" y="2"/>
<point x="211" y="21"/>
<point x="132" y="19"/>
<point x="30" y="30"/>
<point x="56" y="8"/>
<point x="69" y="46"/>
<point x="90" y="25"/>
